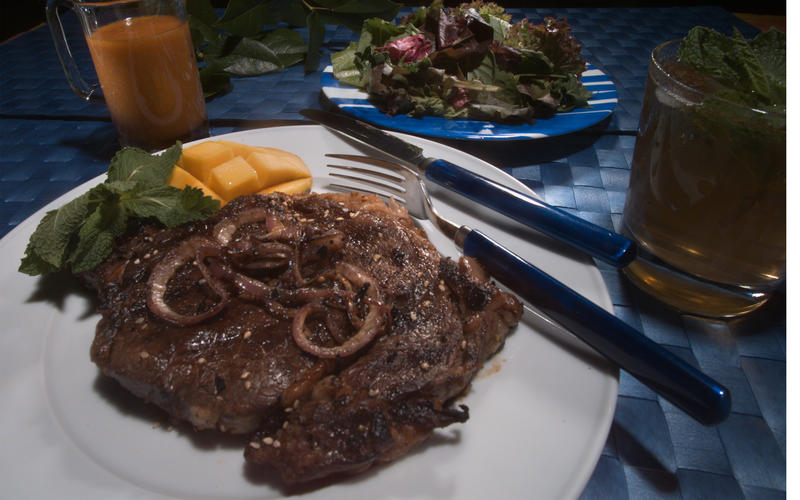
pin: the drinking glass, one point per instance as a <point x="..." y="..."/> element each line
<point x="707" y="197"/>
<point x="144" y="58"/>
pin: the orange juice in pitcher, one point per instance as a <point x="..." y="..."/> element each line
<point x="144" y="59"/>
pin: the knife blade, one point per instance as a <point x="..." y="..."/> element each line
<point x="597" y="241"/>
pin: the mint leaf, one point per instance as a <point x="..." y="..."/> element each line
<point x="137" y="165"/>
<point x="754" y="71"/>
<point x="96" y="237"/>
<point x="80" y="235"/>
<point x="51" y="240"/>
<point x="195" y="205"/>
<point x="170" y="205"/>
<point x="34" y="265"/>
<point x="770" y="50"/>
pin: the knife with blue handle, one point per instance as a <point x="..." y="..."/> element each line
<point x="594" y="240"/>
<point x="700" y="396"/>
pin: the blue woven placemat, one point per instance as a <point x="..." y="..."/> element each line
<point x="51" y="141"/>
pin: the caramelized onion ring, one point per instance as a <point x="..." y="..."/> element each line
<point x="260" y="256"/>
<point x="372" y="324"/>
<point x="223" y="231"/>
<point x="166" y="269"/>
<point x="246" y="284"/>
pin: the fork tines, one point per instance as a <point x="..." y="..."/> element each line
<point x="367" y="180"/>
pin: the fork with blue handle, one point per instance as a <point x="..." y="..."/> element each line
<point x="700" y="396"/>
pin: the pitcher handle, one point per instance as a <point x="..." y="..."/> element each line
<point x="84" y="90"/>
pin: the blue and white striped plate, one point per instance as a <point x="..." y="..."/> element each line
<point x="355" y="102"/>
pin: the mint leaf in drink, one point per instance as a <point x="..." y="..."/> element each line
<point x="753" y="72"/>
<point x="770" y="51"/>
<point x="80" y="235"/>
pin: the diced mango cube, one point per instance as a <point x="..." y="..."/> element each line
<point x="290" y="187"/>
<point x="233" y="178"/>
<point x="200" y="159"/>
<point x="275" y="166"/>
<point x="180" y="178"/>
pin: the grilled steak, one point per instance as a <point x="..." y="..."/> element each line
<point x="328" y="324"/>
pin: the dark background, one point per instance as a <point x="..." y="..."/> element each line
<point x="22" y="15"/>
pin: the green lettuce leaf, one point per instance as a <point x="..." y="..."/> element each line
<point x="471" y="73"/>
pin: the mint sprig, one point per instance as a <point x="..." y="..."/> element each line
<point x="753" y="71"/>
<point x="80" y="235"/>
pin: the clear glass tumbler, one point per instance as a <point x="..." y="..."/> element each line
<point x="707" y="196"/>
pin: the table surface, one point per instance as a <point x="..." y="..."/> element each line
<point x="51" y="141"/>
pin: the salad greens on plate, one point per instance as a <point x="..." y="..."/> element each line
<point x="467" y="62"/>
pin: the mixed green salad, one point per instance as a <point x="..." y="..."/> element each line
<point x="466" y="62"/>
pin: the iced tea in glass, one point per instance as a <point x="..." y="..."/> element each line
<point x="707" y="196"/>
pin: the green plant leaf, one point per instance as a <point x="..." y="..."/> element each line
<point x="249" y="58"/>
<point x="286" y="44"/>
<point x="372" y="8"/>
<point x="202" y="10"/>
<point x="214" y="81"/>
<point x="246" y="17"/>
<point x="316" y="35"/>
<point x="203" y="34"/>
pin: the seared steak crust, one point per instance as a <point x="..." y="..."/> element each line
<point x="345" y="264"/>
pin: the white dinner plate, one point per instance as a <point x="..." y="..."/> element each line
<point x="540" y="411"/>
